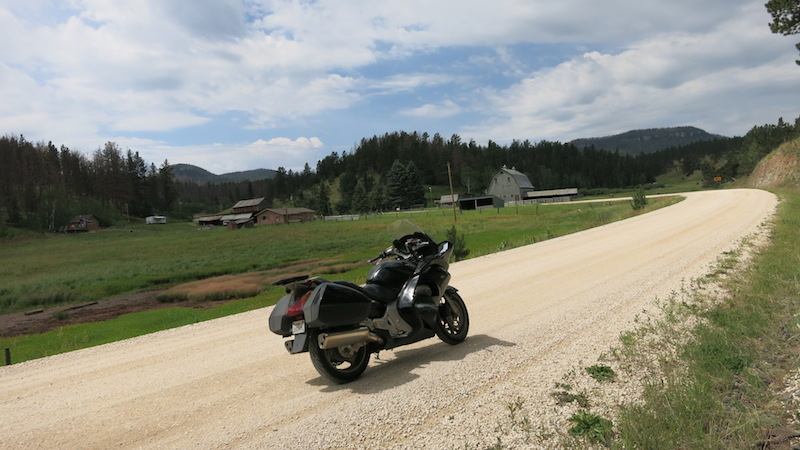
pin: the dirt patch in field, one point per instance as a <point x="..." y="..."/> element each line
<point x="201" y="294"/>
<point x="47" y="319"/>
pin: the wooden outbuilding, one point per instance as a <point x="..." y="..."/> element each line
<point x="446" y="201"/>
<point x="480" y="202"/>
<point x="274" y="216"/>
<point x="83" y="222"/>
<point x="207" y="221"/>
<point x="252" y="205"/>
<point x="552" y="195"/>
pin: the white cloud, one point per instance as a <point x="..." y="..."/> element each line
<point x="667" y="80"/>
<point x="86" y="71"/>
<point x="447" y="108"/>
<point x="223" y="158"/>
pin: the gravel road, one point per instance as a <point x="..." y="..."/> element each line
<point x="537" y="312"/>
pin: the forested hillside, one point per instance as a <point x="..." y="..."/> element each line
<point x="188" y="172"/>
<point x="648" y="141"/>
<point x="42" y="186"/>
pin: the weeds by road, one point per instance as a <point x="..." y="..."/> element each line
<point x="714" y="366"/>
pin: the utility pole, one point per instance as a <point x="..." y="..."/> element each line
<point x="452" y="194"/>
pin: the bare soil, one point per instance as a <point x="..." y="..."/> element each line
<point x="48" y="319"/>
<point x="43" y="320"/>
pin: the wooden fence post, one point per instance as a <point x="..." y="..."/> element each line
<point x="8" y="356"/>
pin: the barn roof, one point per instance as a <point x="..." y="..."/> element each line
<point x="249" y="203"/>
<point x="236" y="217"/>
<point x="287" y="211"/>
<point x="552" y="193"/>
<point x="448" y="198"/>
<point x="521" y="179"/>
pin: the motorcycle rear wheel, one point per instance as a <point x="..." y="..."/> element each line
<point x="337" y="364"/>
<point x="452" y="322"/>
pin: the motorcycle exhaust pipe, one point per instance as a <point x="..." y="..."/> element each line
<point x="342" y="338"/>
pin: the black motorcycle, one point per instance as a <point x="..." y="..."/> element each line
<point x="406" y="299"/>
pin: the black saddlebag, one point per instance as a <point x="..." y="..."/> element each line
<point x="335" y="305"/>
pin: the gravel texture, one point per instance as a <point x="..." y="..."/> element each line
<point x="538" y="314"/>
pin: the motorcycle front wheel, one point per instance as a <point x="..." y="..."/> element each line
<point x="452" y="322"/>
<point x="340" y="365"/>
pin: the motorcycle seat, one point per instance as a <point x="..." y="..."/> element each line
<point x="375" y="292"/>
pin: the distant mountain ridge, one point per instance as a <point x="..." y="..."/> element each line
<point x="649" y="140"/>
<point x="188" y="172"/>
<point x="631" y="142"/>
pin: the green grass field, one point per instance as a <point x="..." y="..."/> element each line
<point x="61" y="269"/>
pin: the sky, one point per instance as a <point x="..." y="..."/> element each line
<point x="231" y="85"/>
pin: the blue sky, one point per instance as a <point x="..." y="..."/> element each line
<point x="235" y="85"/>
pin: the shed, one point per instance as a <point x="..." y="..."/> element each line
<point x="240" y="223"/>
<point x="210" y="220"/>
<point x="510" y="184"/>
<point x="552" y="195"/>
<point x="83" y="222"/>
<point x="152" y="220"/>
<point x="273" y="216"/>
<point x="447" y="200"/>
<point x="236" y="218"/>
<point x="482" y="202"/>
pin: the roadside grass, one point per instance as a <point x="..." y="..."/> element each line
<point x="720" y="385"/>
<point x="58" y="269"/>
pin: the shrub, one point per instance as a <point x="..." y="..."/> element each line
<point x="639" y="200"/>
<point x="460" y="250"/>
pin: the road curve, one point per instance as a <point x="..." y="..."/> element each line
<point x="536" y="312"/>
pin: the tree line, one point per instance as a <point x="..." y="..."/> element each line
<point x="385" y="172"/>
<point x="42" y="187"/>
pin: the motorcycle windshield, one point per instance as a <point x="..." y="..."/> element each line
<point x="404" y="227"/>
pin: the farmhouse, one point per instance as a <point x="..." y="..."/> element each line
<point x="152" y="220"/>
<point x="510" y="185"/>
<point x="84" y="222"/>
<point x="273" y="216"/>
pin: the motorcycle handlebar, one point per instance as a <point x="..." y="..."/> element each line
<point x="405" y="247"/>
<point x="381" y="255"/>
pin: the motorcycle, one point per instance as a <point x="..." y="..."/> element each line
<point x="406" y="299"/>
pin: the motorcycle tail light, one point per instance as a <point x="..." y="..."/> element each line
<point x="296" y="308"/>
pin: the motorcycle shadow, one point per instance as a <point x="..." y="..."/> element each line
<point x="394" y="367"/>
